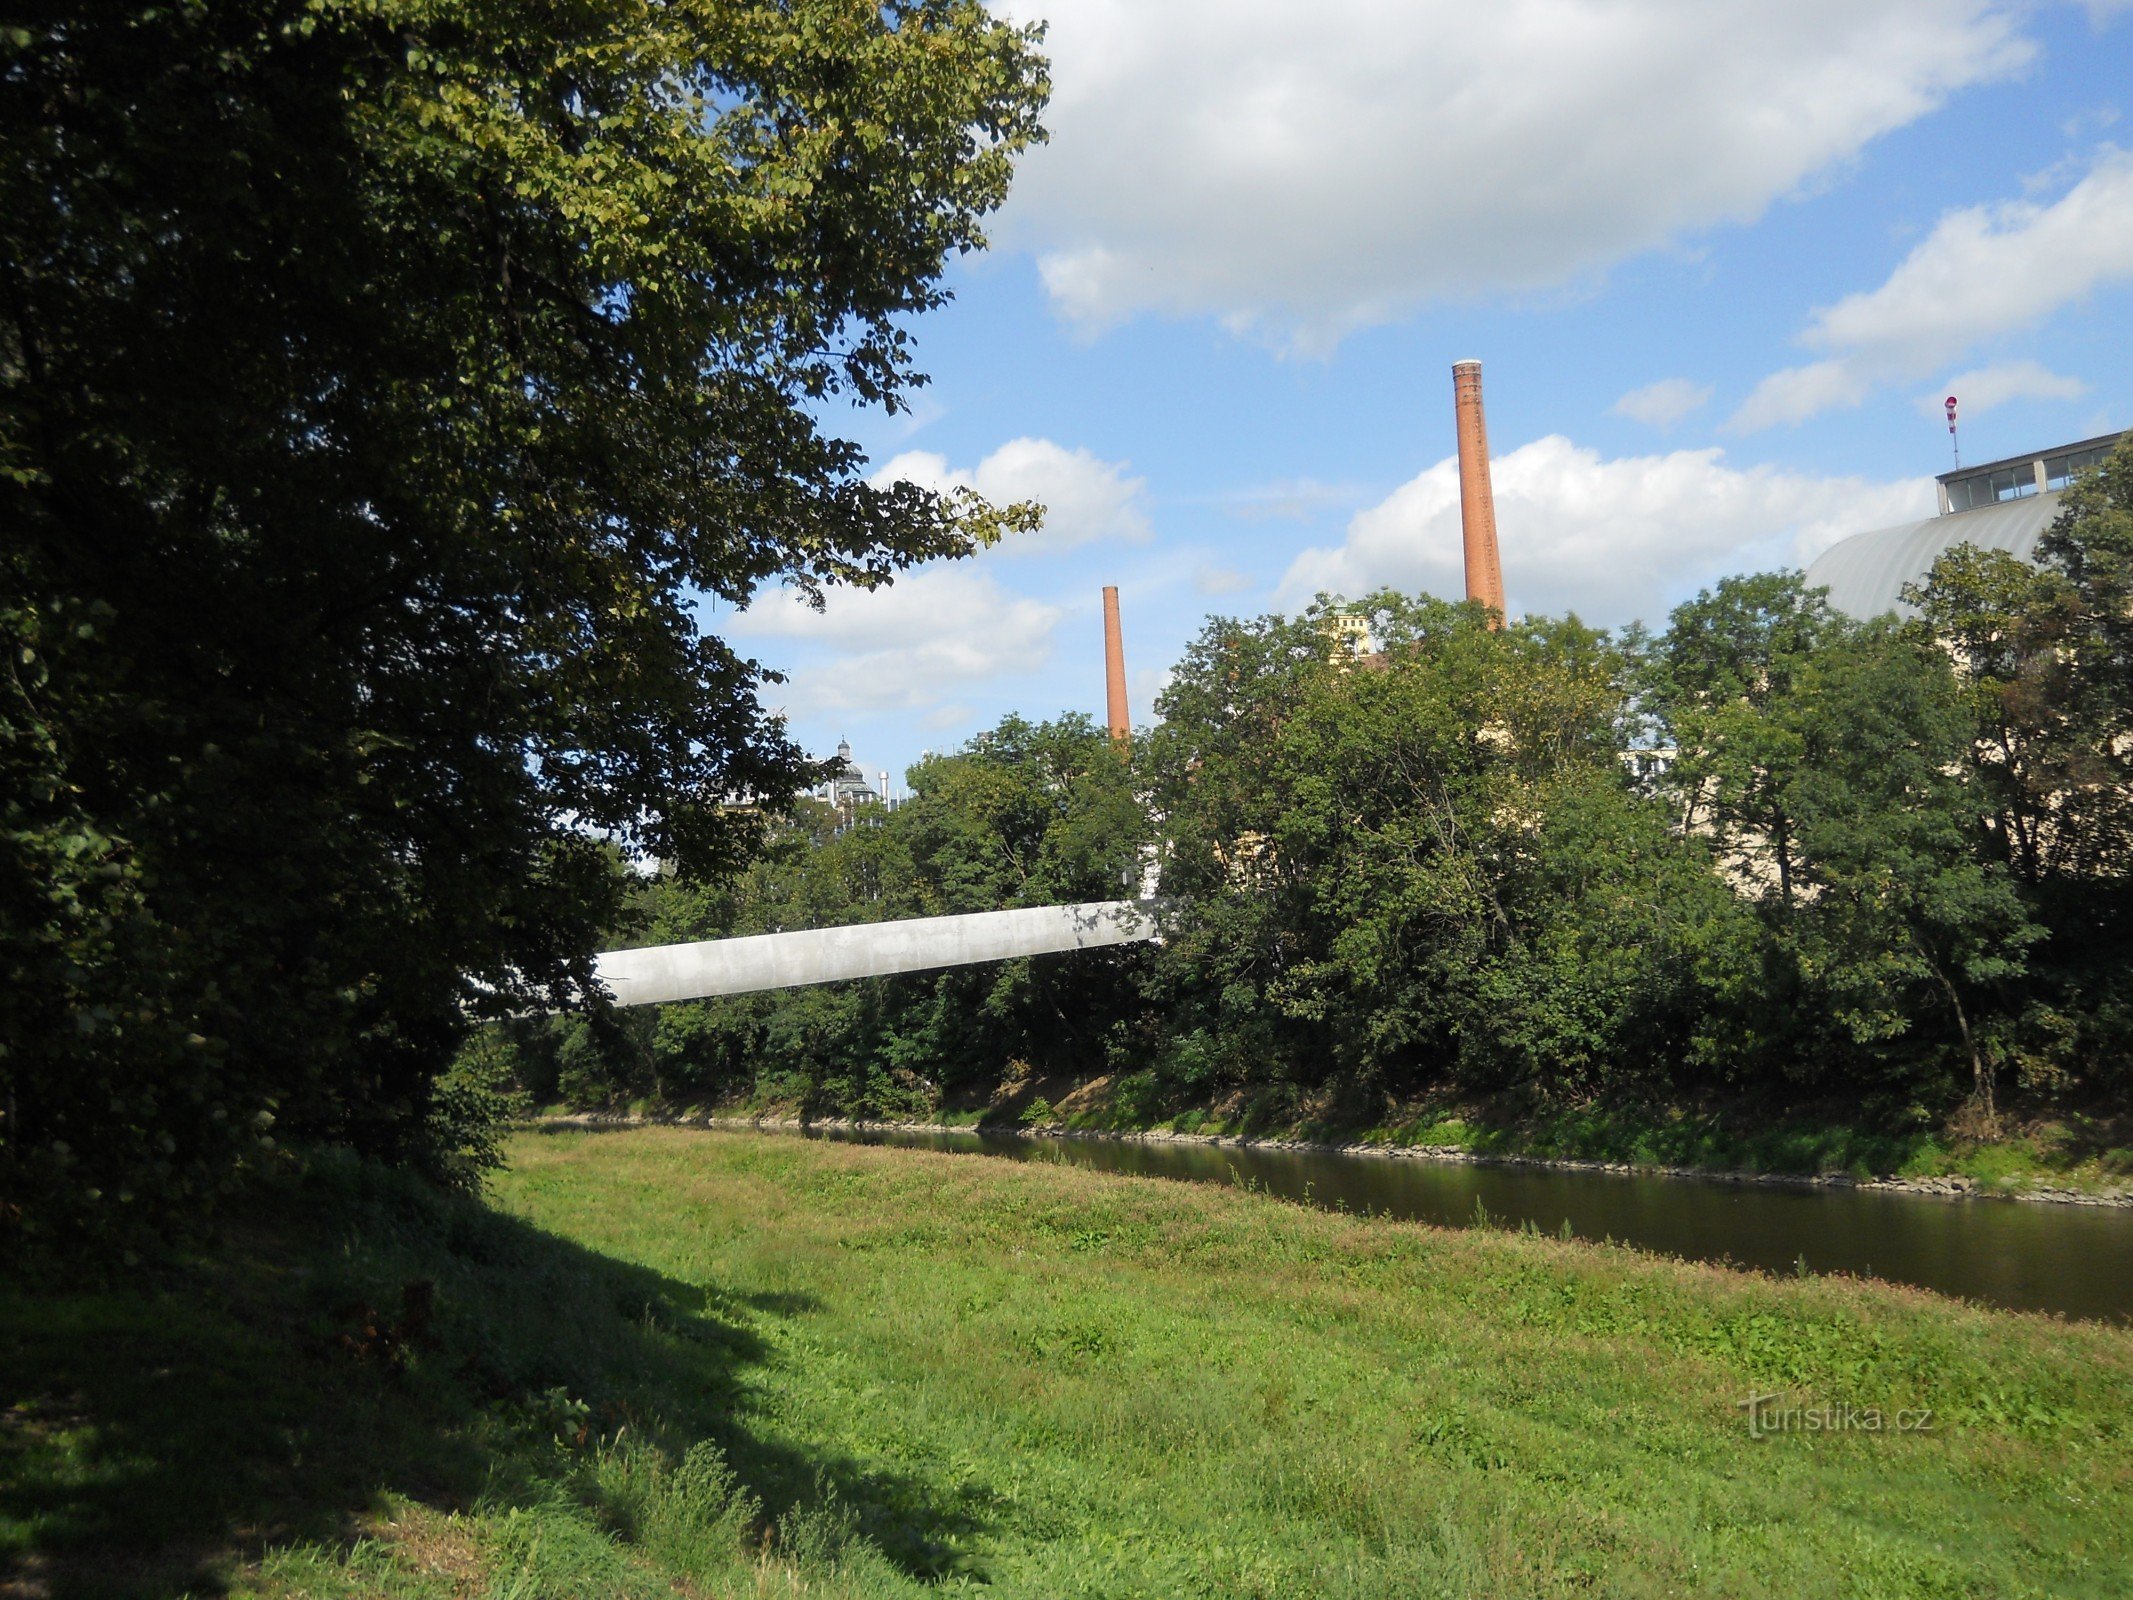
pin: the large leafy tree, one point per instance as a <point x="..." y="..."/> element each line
<point x="382" y="384"/>
<point x="2046" y="650"/>
<point x="2046" y="654"/>
<point x="1824" y="759"/>
<point x="1898" y="900"/>
<point x="1714" y="683"/>
<point x="1428" y="864"/>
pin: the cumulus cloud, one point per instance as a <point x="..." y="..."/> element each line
<point x="1613" y="540"/>
<point x="1085" y="498"/>
<point x="1993" y="269"/>
<point x="1983" y="272"/>
<point x="1797" y="393"/>
<point x="1664" y="403"/>
<point x="908" y="646"/>
<point x="1982" y="388"/>
<point x="1303" y="171"/>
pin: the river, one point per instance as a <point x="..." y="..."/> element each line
<point x="2073" y="1260"/>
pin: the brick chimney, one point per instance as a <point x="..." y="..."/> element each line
<point x="1477" y="503"/>
<point x="1115" y="670"/>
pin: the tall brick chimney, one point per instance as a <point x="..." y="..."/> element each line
<point x="1477" y="502"/>
<point x="1115" y="669"/>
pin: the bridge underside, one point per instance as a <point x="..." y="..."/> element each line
<point x="661" y="973"/>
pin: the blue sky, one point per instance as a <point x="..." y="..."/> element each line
<point x="1720" y="262"/>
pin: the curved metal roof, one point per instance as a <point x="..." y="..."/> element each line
<point x="1865" y="574"/>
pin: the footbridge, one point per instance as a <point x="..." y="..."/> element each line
<point x="711" y="967"/>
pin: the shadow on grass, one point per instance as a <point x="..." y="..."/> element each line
<point x="356" y="1339"/>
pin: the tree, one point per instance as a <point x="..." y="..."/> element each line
<point x="1727" y="658"/>
<point x="2005" y="622"/>
<point x="1426" y="865"/>
<point x="1887" y="827"/>
<point x="383" y="385"/>
<point x="2046" y="655"/>
<point x="1026" y="814"/>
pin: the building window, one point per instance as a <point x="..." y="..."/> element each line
<point x="1990" y="488"/>
<point x="2059" y="471"/>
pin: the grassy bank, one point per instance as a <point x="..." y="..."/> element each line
<point x="670" y="1361"/>
<point x="2068" y="1151"/>
<point x="2060" y="1149"/>
<point x="2057" y="1150"/>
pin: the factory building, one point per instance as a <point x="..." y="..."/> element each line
<point x="2001" y="505"/>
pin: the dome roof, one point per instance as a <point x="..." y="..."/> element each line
<point x="1865" y="574"/>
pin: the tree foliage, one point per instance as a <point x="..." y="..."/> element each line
<point x="1430" y="864"/>
<point x="1770" y="849"/>
<point x="383" y="384"/>
<point x="1029" y="814"/>
<point x="2045" y="651"/>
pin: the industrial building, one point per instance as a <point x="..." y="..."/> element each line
<point x="2001" y="505"/>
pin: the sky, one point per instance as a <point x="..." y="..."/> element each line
<point x="1721" y="262"/>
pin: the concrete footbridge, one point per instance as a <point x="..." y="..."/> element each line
<point x="711" y="967"/>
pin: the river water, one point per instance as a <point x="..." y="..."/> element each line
<point x="2074" y="1260"/>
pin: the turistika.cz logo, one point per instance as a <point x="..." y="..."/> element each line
<point x="1775" y="1413"/>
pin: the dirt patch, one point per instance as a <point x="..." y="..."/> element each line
<point x="436" y="1544"/>
<point x="1085" y="1098"/>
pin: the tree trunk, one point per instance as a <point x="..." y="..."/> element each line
<point x="1981" y="1076"/>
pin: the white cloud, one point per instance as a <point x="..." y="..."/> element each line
<point x="1085" y="498"/>
<point x="1992" y="269"/>
<point x="1982" y="388"/>
<point x="1984" y="272"/>
<point x="910" y="645"/>
<point x="1664" y="403"/>
<point x="1613" y="540"/>
<point x="1304" y="171"/>
<point x="1797" y="393"/>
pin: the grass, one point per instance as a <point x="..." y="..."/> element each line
<point x="676" y="1362"/>
<point x="2070" y="1150"/>
<point x="2056" y="1148"/>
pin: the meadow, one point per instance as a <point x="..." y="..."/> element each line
<point x="666" y="1362"/>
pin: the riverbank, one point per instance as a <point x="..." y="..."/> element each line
<point x="2012" y="1178"/>
<point x="660" y="1362"/>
